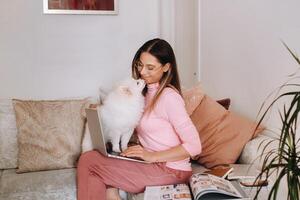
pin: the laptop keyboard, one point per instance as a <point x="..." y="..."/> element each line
<point x="119" y="154"/>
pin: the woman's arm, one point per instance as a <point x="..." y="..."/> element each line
<point x="172" y="154"/>
<point x="176" y="114"/>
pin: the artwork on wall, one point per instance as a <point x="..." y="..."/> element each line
<point x="80" y="7"/>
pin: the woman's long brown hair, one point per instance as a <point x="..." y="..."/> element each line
<point x="164" y="53"/>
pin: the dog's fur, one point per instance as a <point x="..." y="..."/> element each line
<point x="121" y="111"/>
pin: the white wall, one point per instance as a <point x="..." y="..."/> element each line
<point x="53" y="56"/>
<point x="179" y="25"/>
<point x="242" y="56"/>
<point x="186" y="37"/>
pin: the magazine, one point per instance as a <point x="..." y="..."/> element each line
<point x="243" y="171"/>
<point x="231" y="171"/>
<point x="201" y="186"/>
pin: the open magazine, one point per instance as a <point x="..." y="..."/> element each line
<point x="201" y="186"/>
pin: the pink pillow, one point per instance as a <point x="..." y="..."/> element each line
<point x="223" y="133"/>
<point x="192" y="97"/>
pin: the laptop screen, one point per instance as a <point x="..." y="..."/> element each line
<point x="96" y="130"/>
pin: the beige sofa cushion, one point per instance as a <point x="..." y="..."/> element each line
<point x="49" y="133"/>
<point x="8" y="135"/>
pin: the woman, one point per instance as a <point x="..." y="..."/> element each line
<point x="167" y="135"/>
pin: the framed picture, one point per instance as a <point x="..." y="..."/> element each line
<point x="108" y="7"/>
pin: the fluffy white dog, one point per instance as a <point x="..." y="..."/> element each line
<point x="121" y="111"/>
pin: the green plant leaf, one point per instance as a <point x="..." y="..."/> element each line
<point x="283" y="160"/>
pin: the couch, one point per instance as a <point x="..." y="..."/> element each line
<point x="60" y="184"/>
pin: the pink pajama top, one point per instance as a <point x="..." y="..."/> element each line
<point x="168" y="125"/>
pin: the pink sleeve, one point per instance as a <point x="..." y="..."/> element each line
<point x="180" y="120"/>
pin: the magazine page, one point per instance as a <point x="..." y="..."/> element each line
<point x="168" y="192"/>
<point x="205" y="183"/>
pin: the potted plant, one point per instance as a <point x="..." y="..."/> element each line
<point x="284" y="160"/>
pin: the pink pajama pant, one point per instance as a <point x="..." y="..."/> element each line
<point x="96" y="172"/>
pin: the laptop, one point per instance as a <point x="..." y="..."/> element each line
<point x="97" y="136"/>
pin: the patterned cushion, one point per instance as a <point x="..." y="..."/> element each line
<point x="49" y="133"/>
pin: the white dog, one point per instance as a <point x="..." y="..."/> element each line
<point x="121" y="111"/>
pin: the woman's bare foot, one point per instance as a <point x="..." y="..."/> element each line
<point x="112" y="194"/>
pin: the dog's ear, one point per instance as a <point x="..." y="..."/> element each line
<point x="125" y="90"/>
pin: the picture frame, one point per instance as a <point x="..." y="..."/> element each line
<point x="83" y="7"/>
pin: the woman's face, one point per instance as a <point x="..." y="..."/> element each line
<point x="150" y="69"/>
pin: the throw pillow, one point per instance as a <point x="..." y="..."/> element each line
<point x="224" y="102"/>
<point x="223" y="133"/>
<point x="8" y="135"/>
<point x="192" y="98"/>
<point x="49" y="133"/>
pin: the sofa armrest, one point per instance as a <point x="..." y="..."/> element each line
<point x="252" y="152"/>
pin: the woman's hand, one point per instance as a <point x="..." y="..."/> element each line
<point x="140" y="152"/>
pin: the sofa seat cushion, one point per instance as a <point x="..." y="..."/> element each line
<point x="52" y="184"/>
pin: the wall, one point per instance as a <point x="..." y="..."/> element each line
<point x="242" y="56"/>
<point x="179" y="25"/>
<point x="186" y="40"/>
<point x="53" y="56"/>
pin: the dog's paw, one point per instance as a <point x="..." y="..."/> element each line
<point x="124" y="148"/>
<point x="116" y="149"/>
